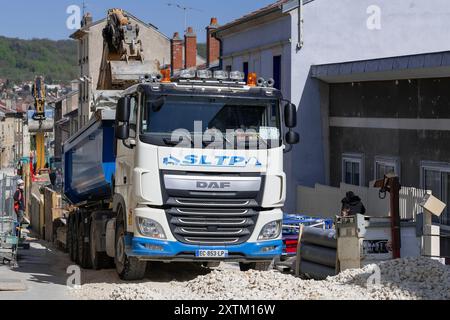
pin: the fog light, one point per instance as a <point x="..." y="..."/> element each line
<point x="272" y="230"/>
<point x="237" y="75"/>
<point x="267" y="249"/>
<point x="221" y="75"/>
<point x="150" y="228"/>
<point x="187" y="74"/>
<point x="152" y="247"/>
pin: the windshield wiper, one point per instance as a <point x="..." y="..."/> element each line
<point x="170" y="142"/>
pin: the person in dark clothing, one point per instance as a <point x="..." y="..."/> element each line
<point x="352" y="205"/>
<point x="19" y="201"/>
<point x="52" y="176"/>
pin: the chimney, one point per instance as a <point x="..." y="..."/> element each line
<point x="190" y="49"/>
<point x="212" y="44"/>
<point x="176" y="52"/>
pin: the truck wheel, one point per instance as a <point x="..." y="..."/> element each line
<point x="69" y="237"/>
<point x="128" y="268"/>
<point x="83" y="248"/>
<point x="258" y="266"/>
<point x="74" y="240"/>
<point x="99" y="260"/>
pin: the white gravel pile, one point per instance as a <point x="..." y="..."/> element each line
<point x="411" y="278"/>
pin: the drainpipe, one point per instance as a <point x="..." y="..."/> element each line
<point x="300" y="25"/>
<point x="221" y="51"/>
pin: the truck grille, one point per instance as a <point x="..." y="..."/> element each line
<point x="205" y="226"/>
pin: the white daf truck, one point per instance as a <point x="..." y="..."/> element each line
<point x="181" y="171"/>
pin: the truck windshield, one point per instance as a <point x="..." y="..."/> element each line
<point x="222" y="122"/>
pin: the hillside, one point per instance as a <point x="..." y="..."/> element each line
<point x="22" y="60"/>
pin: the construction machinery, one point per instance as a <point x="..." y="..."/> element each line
<point x="38" y="125"/>
<point x="123" y="61"/>
<point x="139" y="194"/>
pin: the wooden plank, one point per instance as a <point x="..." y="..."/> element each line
<point x="299" y="244"/>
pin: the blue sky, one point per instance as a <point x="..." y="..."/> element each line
<point x="47" y="18"/>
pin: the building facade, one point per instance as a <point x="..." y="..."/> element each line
<point x="66" y="119"/>
<point x="370" y="79"/>
<point x="330" y="33"/>
<point x="7" y="140"/>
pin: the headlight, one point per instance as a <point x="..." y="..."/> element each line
<point x="271" y="230"/>
<point x="150" y="228"/>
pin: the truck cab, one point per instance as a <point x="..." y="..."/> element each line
<point x="199" y="171"/>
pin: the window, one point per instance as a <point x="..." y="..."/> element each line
<point x="385" y="165"/>
<point x="245" y="70"/>
<point x="353" y="169"/>
<point x="277" y="71"/>
<point x="435" y="176"/>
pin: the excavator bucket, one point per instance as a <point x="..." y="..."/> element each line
<point x="132" y="71"/>
<point x="35" y="126"/>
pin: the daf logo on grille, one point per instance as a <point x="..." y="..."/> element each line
<point x="213" y="185"/>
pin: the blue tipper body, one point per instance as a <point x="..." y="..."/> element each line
<point x="90" y="163"/>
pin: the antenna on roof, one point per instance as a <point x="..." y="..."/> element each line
<point x="185" y="9"/>
<point x="84" y="7"/>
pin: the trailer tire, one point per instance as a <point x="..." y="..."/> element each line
<point x="83" y="248"/>
<point x="99" y="260"/>
<point x="128" y="268"/>
<point x="258" y="266"/>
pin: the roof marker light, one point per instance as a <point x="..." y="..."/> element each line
<point x="165" y="73"/>
<point x="251" y="81"/>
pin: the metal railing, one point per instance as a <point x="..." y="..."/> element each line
<point x="8" y="186"/>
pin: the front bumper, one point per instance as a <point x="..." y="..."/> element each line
<point x="157" y="250"/>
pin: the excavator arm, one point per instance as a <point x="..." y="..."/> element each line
<point x="123" y="62"/>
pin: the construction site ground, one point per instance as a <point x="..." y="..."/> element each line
<point x="42" y="275"/>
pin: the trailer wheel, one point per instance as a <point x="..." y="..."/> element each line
<point x="258" y="266"/>
<point x="99" y="260"/>
<point x="83" y="248"/>
<point x="128" y="268"/>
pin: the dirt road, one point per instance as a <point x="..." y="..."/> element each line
<point x="42" y="271"/>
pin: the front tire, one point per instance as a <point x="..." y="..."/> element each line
<point x="128" y="268"/>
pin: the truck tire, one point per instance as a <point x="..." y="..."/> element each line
<point x="128" y="268"/>
<point x="258" y="266"/>
<point x="99" y="260"/>
<point x="74" y="241"/>
<point x="69" y="237"/>
<point x="84" y="258"/>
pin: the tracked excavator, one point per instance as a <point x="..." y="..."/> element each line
<point x="123" y="61"/>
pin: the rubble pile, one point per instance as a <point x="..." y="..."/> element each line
<point x="410" y="278"/>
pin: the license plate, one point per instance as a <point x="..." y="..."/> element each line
<point x="211" y="254"/>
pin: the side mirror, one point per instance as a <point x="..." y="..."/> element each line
<point x="123" y="111"/>
<point x="292" y="138"/>
<point x="122" y="132"/>
<point x="158" y="104"/>
<point x="290" y="115"/>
